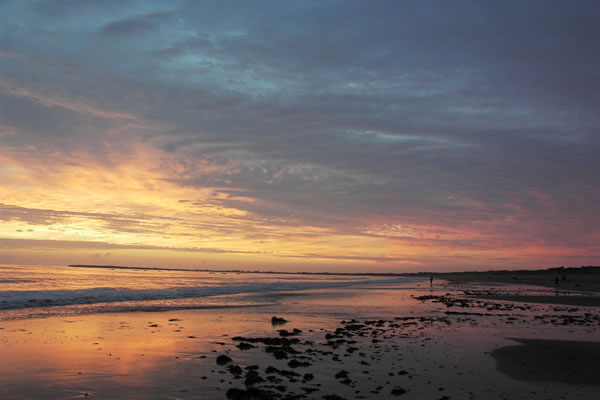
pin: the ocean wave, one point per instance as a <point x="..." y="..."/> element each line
<point x="130" y="306"/>
<point x="17" y="299"/>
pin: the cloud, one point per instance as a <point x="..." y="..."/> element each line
<point x="70" y="105"/>
<point x="474" y="117"/>
<point x="137" y="24"/>
<point x="90" y="245"/>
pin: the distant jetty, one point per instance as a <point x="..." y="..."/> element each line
<point x="583" y="270"/>
<point x="237" y="271"/>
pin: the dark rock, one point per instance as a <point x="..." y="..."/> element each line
<point x="235" y="369"/>
<point x="278" y="321"/>
<point x="269" y="341"/>
<point x="296" y="364"/>
<point x="280" y="355"/>
<point x="281" y="352"/>
<point x="271" y="370"/>
<point x="288" y="374"/>
<point x="398" y="391"/>
<point x="310" y="390"/>
<point x="354" y="327"/>
<point x="342" y="374"/>
<point x="223" y="359"/>
<point x="245" y="346"/>
<point x="333" y="397"/>
<point x="251" y="394"/>
<point x="308" y="377"/>
<point x="252" y="378"/>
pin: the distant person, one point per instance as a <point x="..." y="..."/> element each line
<point x="556" y="281"/>
<point x="431" y="280"/>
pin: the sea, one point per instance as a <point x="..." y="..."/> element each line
<point x="43" y="291"/>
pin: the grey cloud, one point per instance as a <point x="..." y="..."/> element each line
<point x="336" y="111"/>
<point x="51" y="124"/>
<point x="137" y="24"/>
<point x="66" y="8"/>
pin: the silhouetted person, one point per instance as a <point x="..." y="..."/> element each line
<point x="431" y="280"/>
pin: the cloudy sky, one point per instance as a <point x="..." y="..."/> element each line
<point x="384" y="136"/>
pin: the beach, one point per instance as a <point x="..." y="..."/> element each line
<point x="364" y="338"/>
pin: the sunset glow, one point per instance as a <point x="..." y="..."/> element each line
<point x="173" y="134"/>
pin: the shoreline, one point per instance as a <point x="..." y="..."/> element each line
<point x="574" y="282"/>
<point x="239" y="271"/>
<point x="374" y="343"/>
<point x="543" y="277"/>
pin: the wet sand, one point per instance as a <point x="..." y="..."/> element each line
<point x="407" y="341"/>
<point x="574" y="362"/>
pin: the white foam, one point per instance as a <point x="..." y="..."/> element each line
<point x="16" y="299"/>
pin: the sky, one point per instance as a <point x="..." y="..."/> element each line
<point x="348" y="136"/>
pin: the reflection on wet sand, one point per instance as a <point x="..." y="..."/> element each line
<point x="365" y="342"/>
